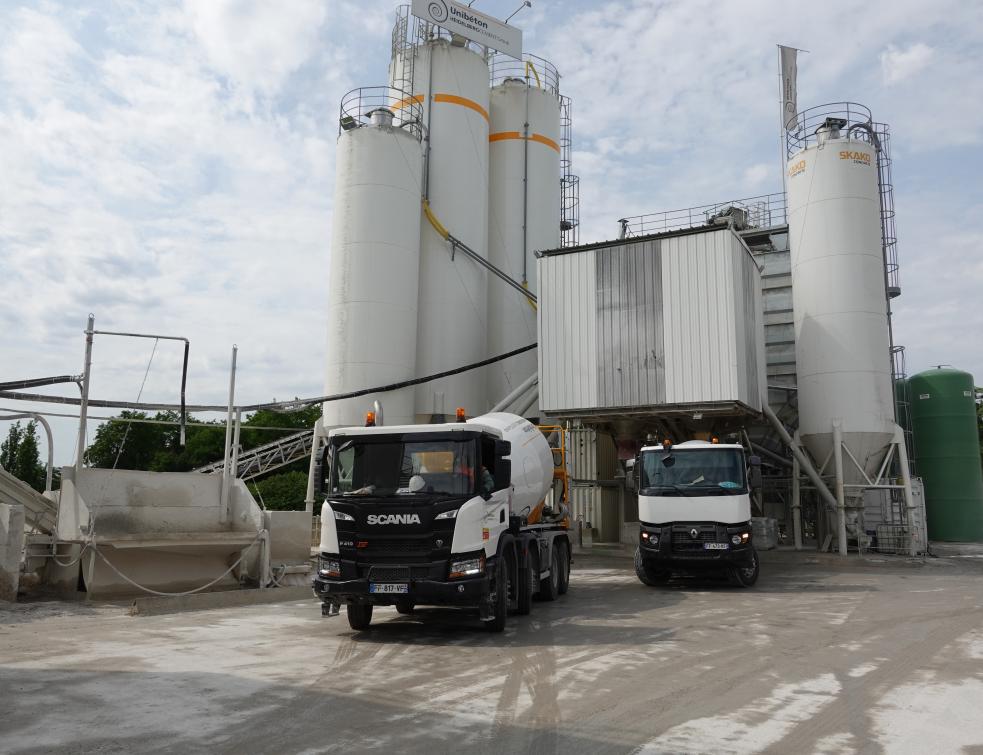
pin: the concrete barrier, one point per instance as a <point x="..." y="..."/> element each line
<point x="11" y="549"/>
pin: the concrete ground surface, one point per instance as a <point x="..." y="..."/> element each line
<point x="820" y="657"/>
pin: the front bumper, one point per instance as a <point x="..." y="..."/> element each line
<point x="469" y="591"/>
<point x="677" y="546"/>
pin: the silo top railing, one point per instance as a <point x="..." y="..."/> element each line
<point x="358" y="106"/>
<point x="532" y="69"/>
<point x="808" y="122"/>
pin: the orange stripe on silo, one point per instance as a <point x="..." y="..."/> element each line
<point x="545" y="140"/>
<point x="453" y="99"/>
<point x="503" y="135"/>
<point x="407" y="101"/>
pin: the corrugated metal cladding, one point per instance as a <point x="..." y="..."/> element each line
<point x="674" y="320"/>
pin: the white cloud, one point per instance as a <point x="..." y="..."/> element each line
<point x="899" y="64"/>
<point x="256" y="43"/>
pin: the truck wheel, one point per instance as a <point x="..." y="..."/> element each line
<point x="746" y="576"/>
<point x="563" y="578"/>
<point x="501" y="606"/>
<point x="405" y="606"/>
<point x="549" y="588"/>
<point x="359" y="615"/>
<point x="649" y="576"/>
<point x="525" y="587"/>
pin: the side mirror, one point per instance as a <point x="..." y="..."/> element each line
<point x="503" y="465"/>
<point x="630" y="479"/>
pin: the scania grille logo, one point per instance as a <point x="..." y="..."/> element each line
<point x="393" y="519"/>
<point x="693" y="533"/>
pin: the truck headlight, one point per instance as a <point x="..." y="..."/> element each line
<point x="328" y="567"/>
<point x="650" y="538"/>
<point x="341" y="516"/>
<point x="452" y="514"/>
<point x="736" y="539"/>
<point x="467" y="567"/>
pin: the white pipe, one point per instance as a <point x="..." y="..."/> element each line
<point x="840" y="492"/>
<point x="315" y="452"/>
<point x="86" y="376"/>
<point x="226" y="479"/>
<point x="909" y="499"/>
<point x="234" y="466"/>
<point x="533" y="398"/>
<point x="506" y="402"/>
<point x="796" y="504"/>
<point x="803" y="460"/>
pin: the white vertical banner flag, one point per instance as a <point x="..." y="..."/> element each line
<point x="789" y="68"/>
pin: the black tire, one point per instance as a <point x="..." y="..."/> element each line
<point x="746" y="576"/>
<point x="405" y="606"/>
<point x="549" y="588"/>
<point x="563" y="581"/>
<point x="501" y="600"/>
<point x="525" y="587"/>
<point x="359" y="615"/>
<point x="649" y="576"/>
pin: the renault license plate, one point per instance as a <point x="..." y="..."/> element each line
<point x="716" y="546"/>
<point x="389" y="587"/>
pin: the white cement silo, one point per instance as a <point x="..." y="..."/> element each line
<point x="524" y="210"/>
<point x="373" y="284"/>
<point x="842" y="341"/>
<point x="450" y="82"/>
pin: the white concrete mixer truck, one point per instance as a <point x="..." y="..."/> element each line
<point x="441" y="514"/>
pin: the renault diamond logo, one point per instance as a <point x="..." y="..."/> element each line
<point x="693" y="533"/>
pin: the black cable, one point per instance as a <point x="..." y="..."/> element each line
<point x="36" y="382"/>
<point x="275" y="405"/>
<point x="184" y="382"/>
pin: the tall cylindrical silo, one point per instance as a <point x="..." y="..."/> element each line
<point x="450" y="82"/>
<point x="943" y="416"/>
<point x="375" y="262"/>
<point x="842" y="341"/>
<point x="524" y="215"/>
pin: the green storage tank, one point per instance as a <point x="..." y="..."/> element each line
<point x="943" y="417"/>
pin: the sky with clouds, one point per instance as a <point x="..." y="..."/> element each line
<point x="169" y="166"/>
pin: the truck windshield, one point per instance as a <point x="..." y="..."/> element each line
<point x="386" y="467"/>
<point x="693" y="472"/>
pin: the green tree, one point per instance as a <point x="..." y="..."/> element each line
<point x="281" y="492"/>
<point x="126" y="445"/>
<point x="19" y="455"/>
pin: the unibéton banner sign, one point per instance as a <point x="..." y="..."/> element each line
<point x="460" y="19"/>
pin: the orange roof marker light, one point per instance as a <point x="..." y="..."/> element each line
<point x="460" y="414"/>
<point x="370" y="419"/>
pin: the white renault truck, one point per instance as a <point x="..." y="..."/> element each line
<point x="449" y="514"/>
<point x="694" y="509"/>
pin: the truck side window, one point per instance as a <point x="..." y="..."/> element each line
<point x="488" y="462"/>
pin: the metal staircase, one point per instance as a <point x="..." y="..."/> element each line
<point x="267" y="457"/>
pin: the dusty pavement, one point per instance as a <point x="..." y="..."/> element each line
<point x="818" y="658"/>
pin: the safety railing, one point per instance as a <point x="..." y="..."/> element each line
<point x="532" y="69"/>
<point x="807" y="125"/>
<point x="381" y="105"/>
<point x="764" y="211"/>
